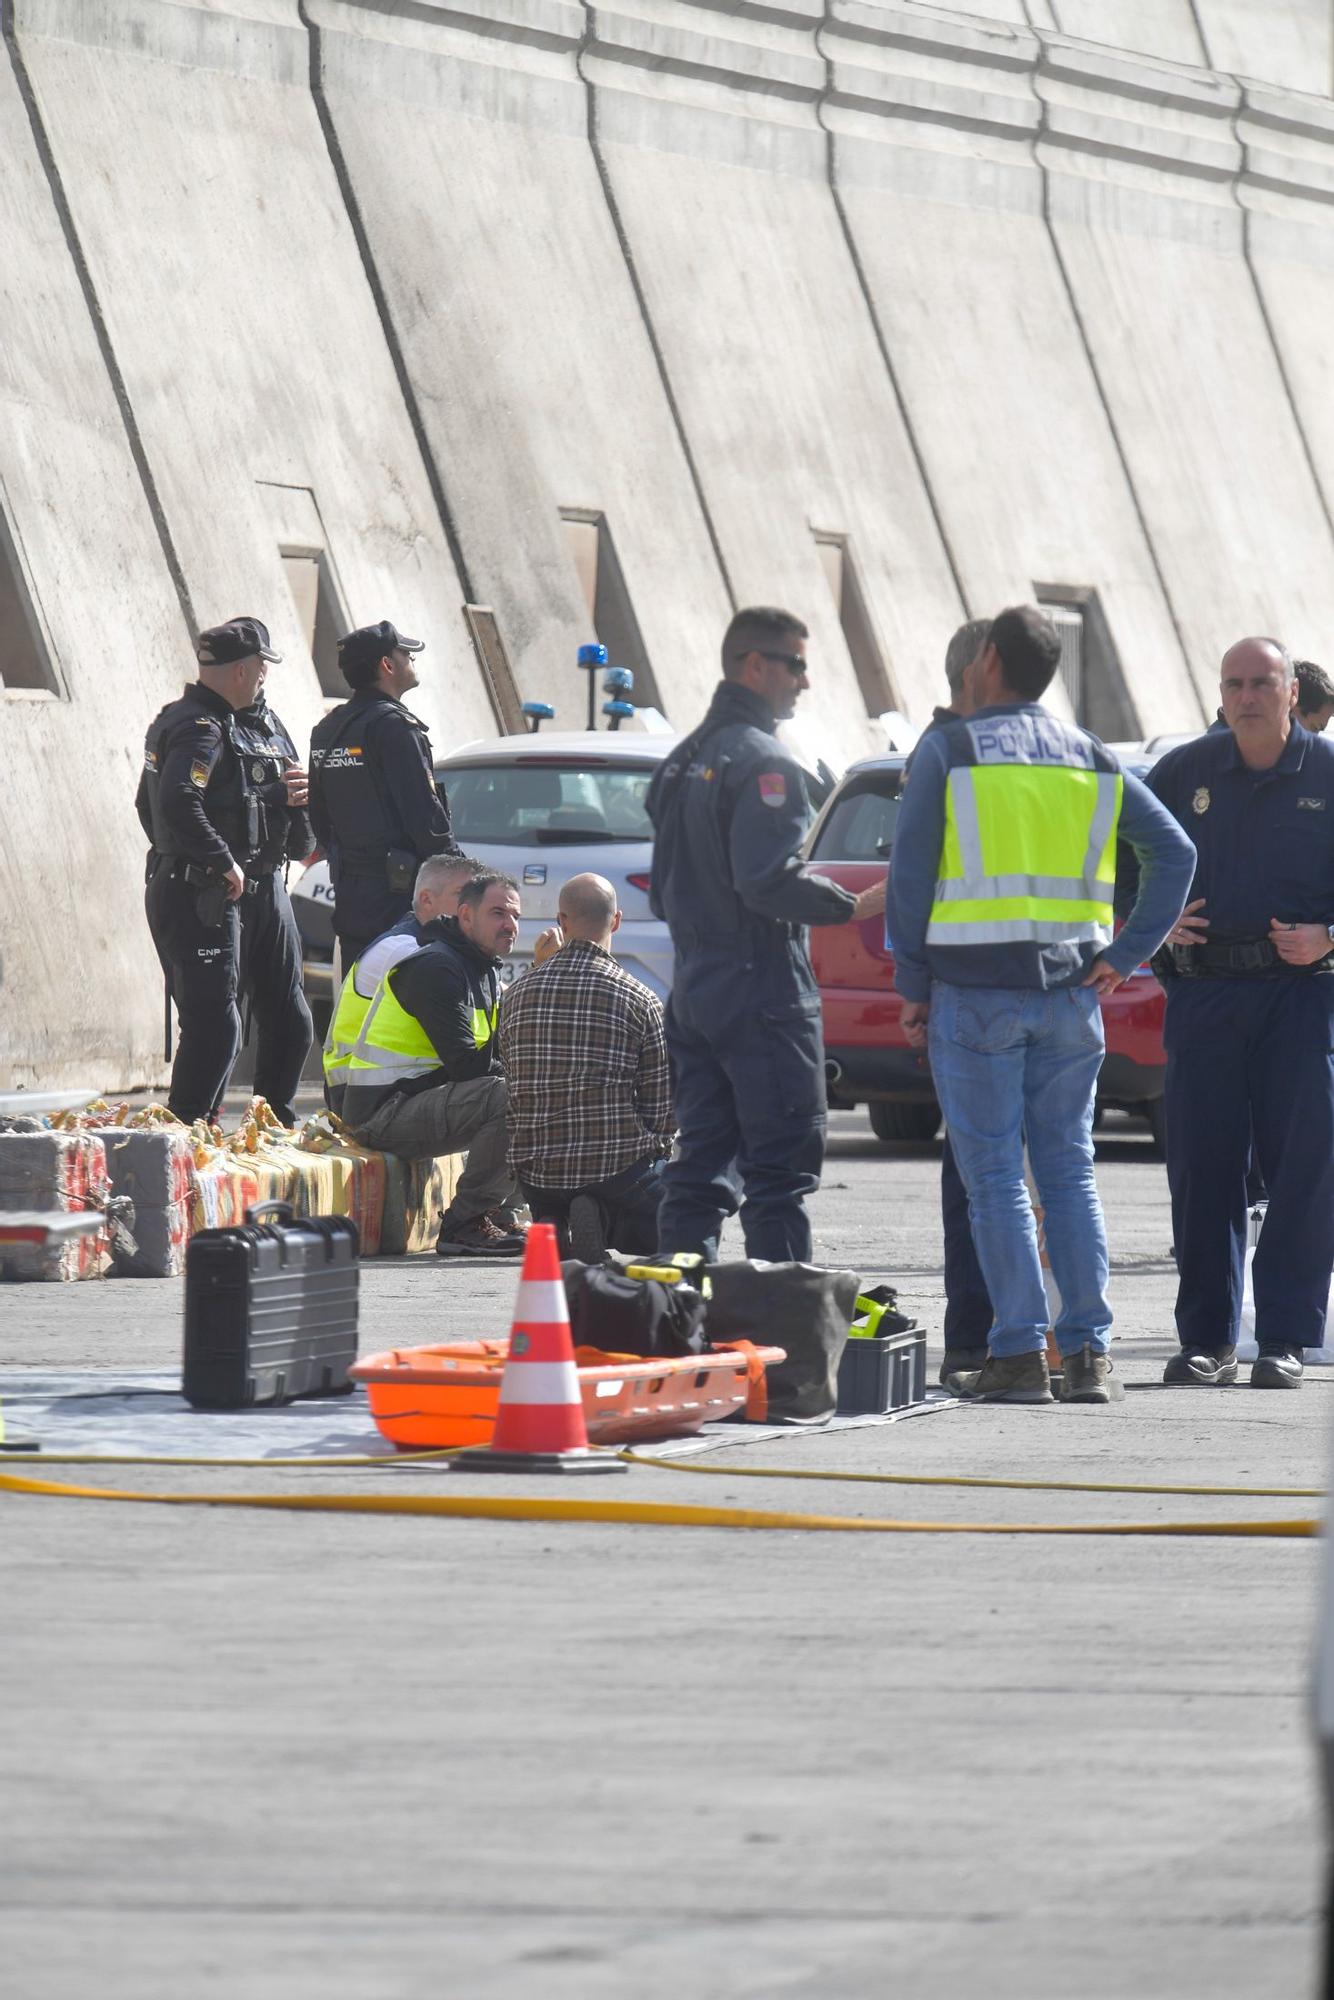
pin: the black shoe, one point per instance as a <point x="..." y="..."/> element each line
<point x="1280" y="1370"/>
<point x="1197" y="1368"/>
<point x="588" y="1239"/>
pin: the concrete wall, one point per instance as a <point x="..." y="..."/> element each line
<point x="241" y="317"/>
<point x="998" y="307"/>
<point x="934" y="130"/>
<point x="1142" y="161"/>
<point x="708" y="126"/>
<point x="75" y="960"/>
<point x="503" y="273"/>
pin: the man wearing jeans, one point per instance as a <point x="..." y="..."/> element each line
<point x="1000" y="921"/>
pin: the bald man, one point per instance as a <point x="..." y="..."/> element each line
<point x="1249" y="975"/>
<point x="585" y="1060"/>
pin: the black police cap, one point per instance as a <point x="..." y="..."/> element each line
<point x="364" y="649"/>
<point x="237" y="639"/>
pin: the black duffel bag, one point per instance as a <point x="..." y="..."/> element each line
<point x="623" y="1315"/>
<point x="801" y="1308"/>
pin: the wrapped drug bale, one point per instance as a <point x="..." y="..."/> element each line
<point x="416" y="1194"/>
<point x="356" y="1177"/>
<point x="64" y="1172"/>
<point x="154" y="1168"/>
<point x="223" y="1185"/>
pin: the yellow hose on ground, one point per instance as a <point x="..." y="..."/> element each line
<point x="486" y="1507"/>
<point x="388" y="1461"/>
<point x="962" y="1479"/>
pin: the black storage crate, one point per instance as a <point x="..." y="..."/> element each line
<point x="882" y="1374"/>
<point x="270" y="1310"/>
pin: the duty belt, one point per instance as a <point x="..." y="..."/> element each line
<point x="196" y="877"/>
<point x="1251" y="958"/>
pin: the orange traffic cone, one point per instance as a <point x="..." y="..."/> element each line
<point x="540" y="1419"/>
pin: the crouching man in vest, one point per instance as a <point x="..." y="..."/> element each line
<point x="423" y="1076"/>
<point x="1000" y="921"/>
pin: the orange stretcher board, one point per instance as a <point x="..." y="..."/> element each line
<point x="429" y="1398"/>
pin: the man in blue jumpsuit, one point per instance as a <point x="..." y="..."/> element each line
<point x="1249" y="975"/>
<point x="730" y="814"/>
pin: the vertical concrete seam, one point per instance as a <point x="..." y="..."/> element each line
<point x="877" y="325"/>
<point x="361" y="235"/>
<point x="641" y="297"/>
<point x="1262" y="303"/>
<point x="1095" y="372"/>
<point x="101" y="332"/>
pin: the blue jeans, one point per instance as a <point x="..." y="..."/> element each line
<point x="1010" y="1065"/>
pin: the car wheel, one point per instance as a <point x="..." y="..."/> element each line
<point x="902" y="1122"/>
<point x="1156" y="1113"/>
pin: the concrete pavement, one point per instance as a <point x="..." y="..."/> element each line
<point x="265" y="1754"/>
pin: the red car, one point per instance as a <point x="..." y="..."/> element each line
<point x="868" y="1061"/>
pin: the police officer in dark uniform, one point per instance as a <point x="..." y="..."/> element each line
<point x="373" y="797"/>
<point x="730" y="813"/>
<point x="1249" y="1030"/>
<point x="222" y="799"/>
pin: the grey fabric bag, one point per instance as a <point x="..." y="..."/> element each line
<point x="799" y="1307"/>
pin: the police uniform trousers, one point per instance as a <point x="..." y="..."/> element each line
<point x="746" y="1044"/>
<point x="365" y="907"/>
<point x="968" y="1314"/>
<point x="1251" y="1059"/>
<point x="255" y="954"/>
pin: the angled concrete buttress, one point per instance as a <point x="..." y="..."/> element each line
<point x="1287" y="195"/>
<point x="933" y="119"/>
<point x="465" y="136"/>
<point x="80" y="990"/>
<point x="1150" y="27"/>
<point x="1142" y="159"/>
<point x="706" y="121"/>
<point x="236" y="302"/>
<point x="1286" y="42"/>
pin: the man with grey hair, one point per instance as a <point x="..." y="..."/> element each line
<point x="590" y="1105"/>
<point x="1249" y="974"/>
<point x="435" y="894"/>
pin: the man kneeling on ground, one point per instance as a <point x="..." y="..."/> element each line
<point x="590" y="1104"/>
<point x="424" y="1076"/>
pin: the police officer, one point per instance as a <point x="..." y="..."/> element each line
<point x="730" y="813"/>
<point x="373" y="797"/>
<point x="222" y="799"/>
<point x="1249" y="1029"/>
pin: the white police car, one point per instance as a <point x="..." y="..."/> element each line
<point x="540" y="807"/>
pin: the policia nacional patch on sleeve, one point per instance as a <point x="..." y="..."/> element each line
<point x="773" y="788"/>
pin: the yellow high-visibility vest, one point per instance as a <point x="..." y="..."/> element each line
<point x="1029" y="854"/>
<point x="353" y="1006"/>
<point x="393" y="1043"/>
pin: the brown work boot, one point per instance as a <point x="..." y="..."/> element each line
<point x="1086" y="1376"/>
<point x="1005" y="1378"/>
<point x="477" y="1237"/>
<point x="961" y="1361"/>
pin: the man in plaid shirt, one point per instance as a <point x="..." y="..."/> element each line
<point x="590" y="1104"/>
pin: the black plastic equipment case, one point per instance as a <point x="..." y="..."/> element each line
<point x="270" y="1310"/>
<point x="882" y="1374"/>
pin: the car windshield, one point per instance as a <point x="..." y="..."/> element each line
<point x="861" y="825"/>
<point x="532" y="804"/>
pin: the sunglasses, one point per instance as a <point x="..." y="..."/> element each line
<point x="792" y="661"/>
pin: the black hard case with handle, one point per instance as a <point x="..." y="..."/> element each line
<point x="270" y="1310"/>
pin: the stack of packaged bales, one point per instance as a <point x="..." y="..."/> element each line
<point x="222" y="1187"/>
<point x="356" y="1177"/>
<point x="151" y="1164"/>
<point x="416" y="1194"/>
<point x="61" y="1173"/>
